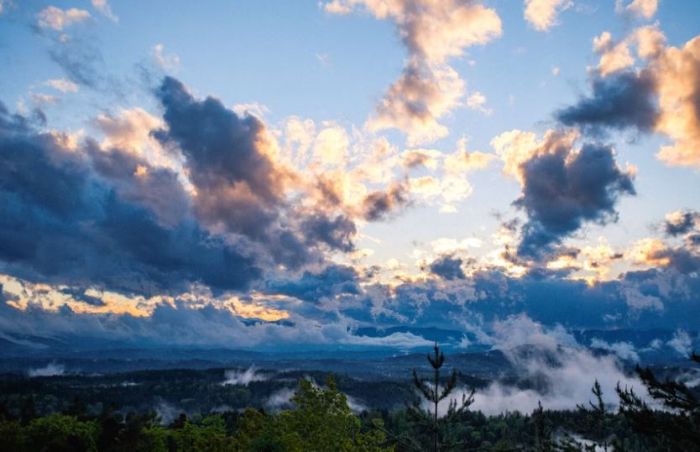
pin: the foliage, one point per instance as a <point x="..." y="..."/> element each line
<point x="319" y="419"/>
<point x="677" y="427"/>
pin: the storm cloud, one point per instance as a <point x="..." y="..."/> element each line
<point x="60" y="221"/>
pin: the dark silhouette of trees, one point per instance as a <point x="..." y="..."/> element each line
<point x="678" y="425"/>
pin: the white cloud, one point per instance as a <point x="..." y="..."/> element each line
<point x="62" y="85"/>
<point x="542" y="14"/>
<point x="624" y="350"/>
<point x="681" y="342"/>
<point x="563" y="370"/>
<point x="433" y="32"/>
<point x="477" y="101"/>
<point x="640" y="8"/>
<point x="166" y="61"/>
<point x="103" y="7"/>
<point x="243" y="378"/>
<point x="50" y="370"/>
<point x="57" y="19"/>
<point x="280" y="399"/>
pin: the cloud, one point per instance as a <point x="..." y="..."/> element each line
<point x="81" y="61"/>
<point x="566" y="188"/>
<point x="664" y="91"/>
<point x="624" y="350"/>
<point x="243" y="378"/>
<point x="50" y="370"/>
<point x="684" y="258"/>
<point x="62" y="85"/>
<point x="542" y="14"/>
<point x="681" y="342"/>
<point x="447" y="267"/>
<point x="63" y="221"/>
<point x="338" y="233"/>
<point x="240" y="185"/>
<point x="166" y="61"/>
<point x="477" y="101"/>
<point x="416" y="101"/>
<point x="551" y="368"/>
<point x="562" y="187"/>
<point x="329" y="282"/>
<point x="433" y="32"/>
<point x="103" y="7"/>
<point x="640" y="8"/>
<point x="617" y="102"/>
<point x="678" y="78"/>
<point x="57" y="19"/>
<point x="682" y="222"/>
<point x="380" y="205"/>
<point x="280" y="399"/>
<point x="613" y="56"/>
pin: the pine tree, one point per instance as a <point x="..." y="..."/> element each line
<point x="680" y="427"/>
<point x="543" y="436"/>
<point x="434" y="393"/>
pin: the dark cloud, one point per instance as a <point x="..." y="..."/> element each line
<point x="563" y="189"/>
<point x="684" y="259"/>
<point x="337" y="233"/>
<point x="314" y="286"/>
<point x="222" y="149"/>
<point x="157" y="189"/>
<point x="616" y="102"/>
<point x="238" y="185"/>
<point x="682" y="224"/>
<point x="79" y="62"/>
<point x="61" y="222"/>
<point x="380" y="205"/>
<point x="447" y="267"/>
<point x="81" y="295"/>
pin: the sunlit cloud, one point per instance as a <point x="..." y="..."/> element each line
<point x="542" y="14"/>
<point x="428" y="88"/>
<point x="57" y="19"/>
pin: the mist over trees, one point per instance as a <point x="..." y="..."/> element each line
<point x="438" y="416"/>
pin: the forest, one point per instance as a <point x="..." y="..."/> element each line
<point x="319" y="418"/>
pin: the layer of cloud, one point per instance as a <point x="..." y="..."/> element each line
<point x="559" y="370"/>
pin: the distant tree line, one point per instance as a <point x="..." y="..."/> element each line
<point x="320" y="420"/>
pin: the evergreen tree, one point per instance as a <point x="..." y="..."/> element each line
<point x="433" y="392"/>
<point x="543" y="435"/>
<point x="679" y="426"/>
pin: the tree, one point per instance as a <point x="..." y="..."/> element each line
<point x="321" y="420"/>
<point x="434" y="393"/>
<point x="679" y="426"/>
<point x="543" y="441"/>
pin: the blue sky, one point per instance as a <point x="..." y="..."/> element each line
<point x="350" y="163"/>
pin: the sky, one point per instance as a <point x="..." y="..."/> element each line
<point x="347" y="173"/>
